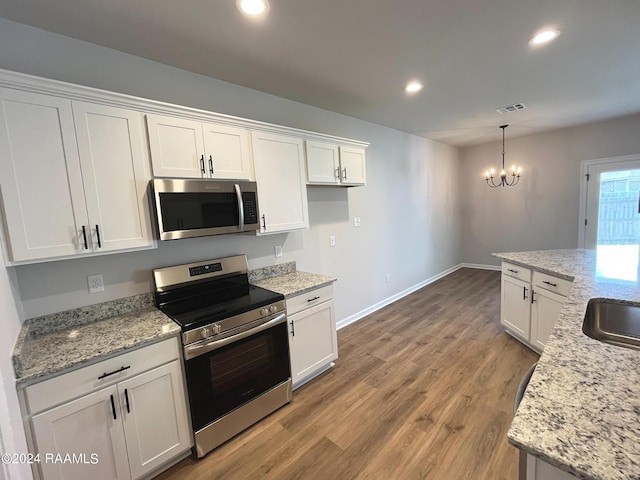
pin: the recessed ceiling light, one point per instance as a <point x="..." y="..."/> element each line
<point x="544" y="37"/>
<point x="413" y="87"/>
<point x="252" y="7"/>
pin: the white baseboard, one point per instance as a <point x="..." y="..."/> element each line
<point x="377" y="306"/>
<point x="480" y="266"/>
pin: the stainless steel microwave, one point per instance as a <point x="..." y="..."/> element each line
<point x="195" y="208"/>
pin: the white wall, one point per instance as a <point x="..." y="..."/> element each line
<point x="542" y="211"/>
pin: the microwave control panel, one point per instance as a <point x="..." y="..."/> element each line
<point x="250" y="210"/>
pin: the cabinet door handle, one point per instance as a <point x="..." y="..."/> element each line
<point x="264" y="222"/>
<point x="293" y="329"/>
<point x="512" y="271"/>
<point x="344" y="173"/>
<point x="121" y="369"/>
<point x="98" y="236"/>
<point x="84" y="236"/>
<point x="338" y="175"/>
<point x="533" y="296"/>
<point x="524" y="293"/>
<point x="126" y="399"/>
<point x="211" y="164"/>
<point x="313" y="299"/>
<point x="113" y="408"/>
<point x="202" y="165"/>
<point x="549" y="283"/>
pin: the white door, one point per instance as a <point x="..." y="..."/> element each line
<point x="177" y="147"/>
<point x="352" y="163"/>
<point x="280" y="174"/>
<point x="40" y="176"/>
<point x="155" y="417"/>
<point x="612" y="219"/>
<point x="312" y="340"/>
<point x="83" y="427"/>
<point x="116" y="174"/>
<point x="323" y="163"/>
<point x="227" y="152"/>
<point x="545" y="310"/>
<point x="514" y="306"/>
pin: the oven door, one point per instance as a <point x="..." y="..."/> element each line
<point x="225" y="374"/>
<point x="196" y="208"/>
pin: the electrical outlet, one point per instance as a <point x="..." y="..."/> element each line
<point x="95" y="283"/>
<point x="278" y="249"/>
<point x="388" y="277"/>
<point x="356" y="222"/>
<point x="332" y="241"/>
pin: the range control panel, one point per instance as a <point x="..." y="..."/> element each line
<point x="204" y="269"/>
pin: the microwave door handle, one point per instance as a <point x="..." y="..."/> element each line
<point x="240" y="207"/>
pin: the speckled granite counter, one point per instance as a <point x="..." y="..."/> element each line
<point x="581" y="410"/>
<point x="64" y="341"/>
<point x="287" y="280"/>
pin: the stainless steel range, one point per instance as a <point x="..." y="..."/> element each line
<point x="235" y="345"/>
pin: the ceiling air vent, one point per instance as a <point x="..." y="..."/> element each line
<point x="511" y="108"/>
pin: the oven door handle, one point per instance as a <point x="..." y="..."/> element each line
<point x="197" y="350"/>
<point x="240" y="207"/>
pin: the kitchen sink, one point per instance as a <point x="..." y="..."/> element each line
<point x="613" y="322"/>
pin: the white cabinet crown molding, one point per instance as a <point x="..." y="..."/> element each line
<point x="22" y="81"/>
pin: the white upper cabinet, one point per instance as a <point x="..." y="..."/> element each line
<point x="191" y="149"/>
<point x="40" y="176"/>
<point x="352" y="166"/>
<point x="74" y="177"/>
<point x="330" y="164"/>
<point x="323" y="163"/>
<point x="280" y="174"/>
<point x="115" y="171"/>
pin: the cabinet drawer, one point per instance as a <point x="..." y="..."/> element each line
<point x="54" y="391"/>
<point x="516" y="271"/>
<point x="551" y="283"/>
<point x="309" y="299"/>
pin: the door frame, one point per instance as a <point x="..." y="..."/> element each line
<point x="584" y="167"/>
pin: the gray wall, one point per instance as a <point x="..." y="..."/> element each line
<point x="542" y="211"/>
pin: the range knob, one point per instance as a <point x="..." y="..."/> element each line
<point x="205" y="332"/>
<point x="264" y="311"/>
<point x="273" y="309"/>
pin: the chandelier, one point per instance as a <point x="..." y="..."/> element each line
<point x="503" y="182"/>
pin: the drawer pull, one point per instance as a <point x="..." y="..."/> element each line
<point x="121" y="369"/>
<point x="313" y="299"/>
<point x="512" y="271"/>
<point x="549" y="283"/>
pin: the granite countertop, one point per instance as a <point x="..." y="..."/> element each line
<point x="287" y="280"/>
<point x="61" y="342"/>
<point x="581" y="410"/>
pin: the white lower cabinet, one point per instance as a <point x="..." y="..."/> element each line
<point x="313" y="342"/>
<point x="122" y="431"/>
<point x="531" y="303"/>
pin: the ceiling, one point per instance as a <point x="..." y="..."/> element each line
<point x="354" y="57"/>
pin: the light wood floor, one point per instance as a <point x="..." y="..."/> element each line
<point x="423" y="389"/>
